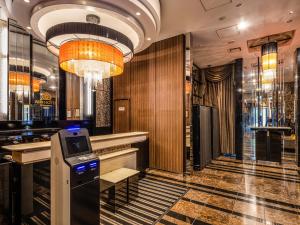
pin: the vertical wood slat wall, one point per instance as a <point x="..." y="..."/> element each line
<point x="72" y="96"/>
<point x="154" y="83"/>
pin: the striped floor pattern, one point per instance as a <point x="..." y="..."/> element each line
<point x="150" y="199"/>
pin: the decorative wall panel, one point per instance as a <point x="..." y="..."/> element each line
<point x="154" y="83"/>
<point x="289" y="98"/>
<point x="103" y="103"/>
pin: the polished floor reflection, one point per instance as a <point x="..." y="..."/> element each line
<point x="230" y="191"/>
<point x="227" y="191"/>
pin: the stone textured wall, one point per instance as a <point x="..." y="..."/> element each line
<point x="289" y="98"/>
<point x="104" y="103"/>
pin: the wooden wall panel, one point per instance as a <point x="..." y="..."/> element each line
<point x="121" y="116"/>
<point x="142" y="98"/>
<point x="155" y="88"/>
<point x="169" y="103"/>
<point x="121" y="84"/>
<point x="72" y="96"/>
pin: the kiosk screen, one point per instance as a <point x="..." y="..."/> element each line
<point x="77" y="145"/>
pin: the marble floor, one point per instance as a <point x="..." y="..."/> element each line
<point x="230" y="191"/>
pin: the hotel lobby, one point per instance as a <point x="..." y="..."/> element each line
<point x="149" y="112"/>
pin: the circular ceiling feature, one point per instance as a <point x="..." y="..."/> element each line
<point x="60" y="33"/>
<point x="118" y="15"/>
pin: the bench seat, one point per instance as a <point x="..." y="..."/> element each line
<point x="110" y="180"/>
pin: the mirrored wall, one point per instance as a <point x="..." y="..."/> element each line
<point x="32" y="78"/>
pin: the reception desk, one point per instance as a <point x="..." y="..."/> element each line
<point x="30" y="164"/>
<point x="41" y="151"/>
<point x="269" y="143"/>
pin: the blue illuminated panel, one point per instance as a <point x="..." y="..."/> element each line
<point x="93" y="165"/>
<point x="80" y="169"/>
<point x="84" y="167"/>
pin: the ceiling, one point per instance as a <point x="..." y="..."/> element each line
<point x="202" y="19"/>
<point x="213" y="25"/>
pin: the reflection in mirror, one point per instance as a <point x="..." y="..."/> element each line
<point x="44" y="83"/>
<point x="3" y="69"/>
<point x="19" y="73"/>
<point x="32" y="78"/>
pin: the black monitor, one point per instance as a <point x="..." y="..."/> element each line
<point x="77" y="146"/>
<point x="75" y="142"/>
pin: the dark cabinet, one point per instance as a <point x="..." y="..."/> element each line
<point x="206" y="137"/>
<point x="142" y="159"/>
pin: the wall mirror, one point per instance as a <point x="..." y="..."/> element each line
<point x="32" y="78"/>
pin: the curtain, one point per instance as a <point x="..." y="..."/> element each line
<point x="220" y="94"/>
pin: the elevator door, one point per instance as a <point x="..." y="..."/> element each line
<point x="121" y="116"/>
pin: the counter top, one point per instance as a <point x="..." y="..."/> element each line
<point x="47" y="144"/>
<point x="52" y="129"/>
<point x="41" y="151"/>
<point x="271" y="128"/>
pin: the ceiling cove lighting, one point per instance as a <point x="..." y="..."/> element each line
<point x="103" y="35"/>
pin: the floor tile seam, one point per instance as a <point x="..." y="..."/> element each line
<point x="291" y="176"/>
<point x="251" y="196"/>
<point x="175" y="202"/>
<point x="242" y="215"/>
<point x="252" y="202"/>
<point x="256" y="175"/>
<point x="260" y="165"/>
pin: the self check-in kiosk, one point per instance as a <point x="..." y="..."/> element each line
<point x="75" y="184"/>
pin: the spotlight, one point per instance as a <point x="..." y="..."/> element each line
<point x="242" y="25"/>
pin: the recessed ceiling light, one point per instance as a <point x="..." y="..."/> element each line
<point x="242" y="25"/>
<point x="291" y="12"/>
<point x="138" y="13"/>
<point x="27" y="1"/>
<point x="148" y="39"/>
<point x="52" y="87"/>
<point x="29" y="28"/>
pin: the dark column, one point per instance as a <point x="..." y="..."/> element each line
<point x="297" y="105"/>
<point x="238" y="85"/>
<point x="62" y="107"/>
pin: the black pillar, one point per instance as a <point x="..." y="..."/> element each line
<point x="238" y="85"/>
<point x="297" y="105"/>
<point x="62" y="107"/>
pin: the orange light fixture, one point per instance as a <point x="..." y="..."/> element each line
<point x="18" y="79"/>
<point x="188" y="87"/>
<point x="269" y="64"/>
<point x="91" y="59"/>
<point x="269" y="61"/>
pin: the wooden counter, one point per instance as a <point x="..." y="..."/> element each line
<point x="41" y="151"/>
